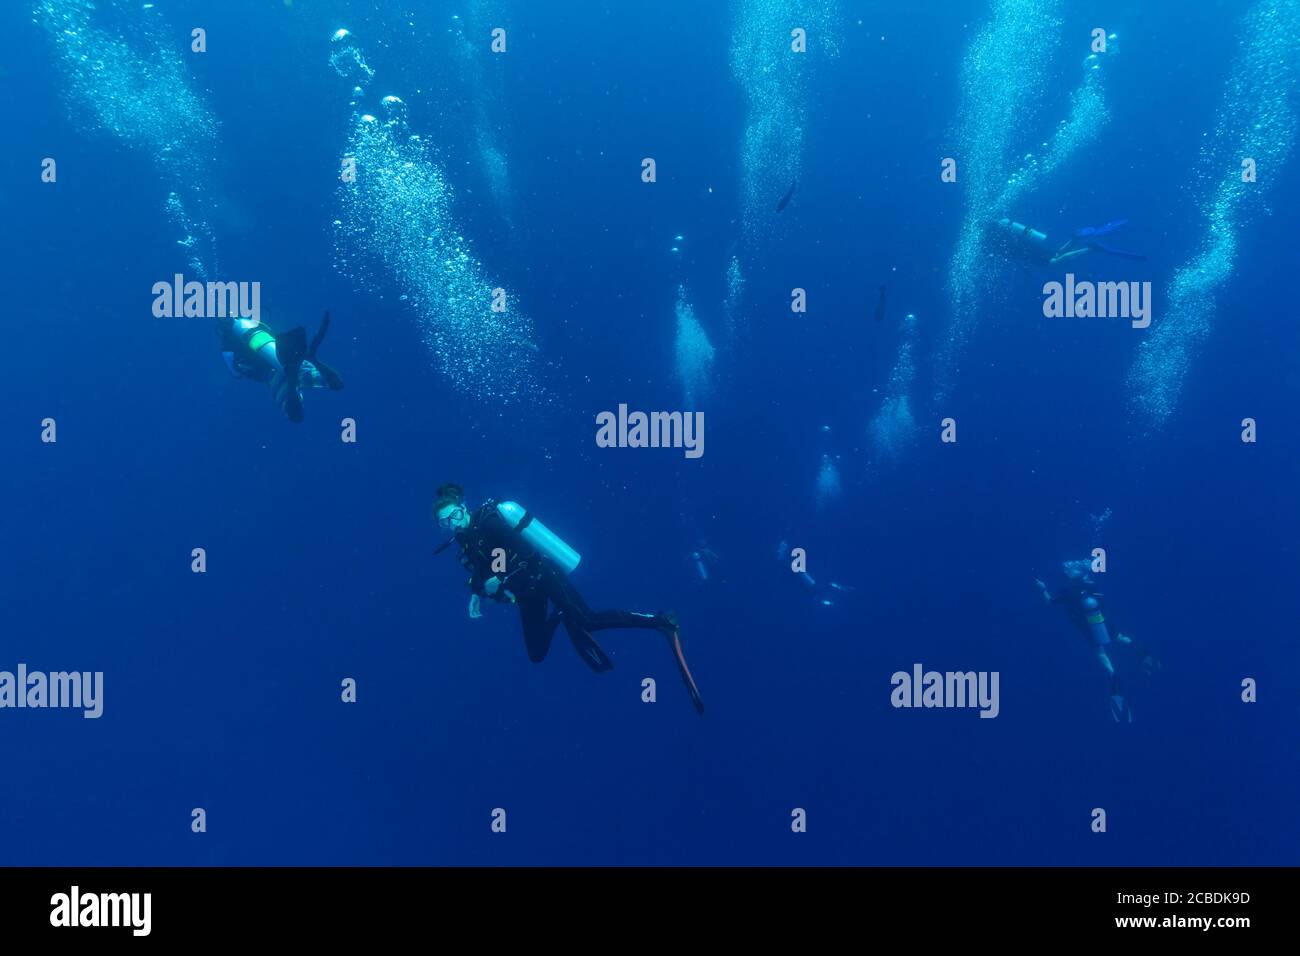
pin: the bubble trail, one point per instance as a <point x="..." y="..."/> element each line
<point x="471" y="56"/>
<point x="775" y="81"/>
<point x="829" y="488"/>
<point x="1002" y="87"/>
<point x="734" y="302"/>
<point x="694" y="353"/>
<point x="131" y="82"/>
<point x="1256" y="121"/>
<point x="396" y="228"/>
<point x="893" y="429"/>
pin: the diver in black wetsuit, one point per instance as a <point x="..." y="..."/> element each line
<point x="253" y="351"/>
<point x="1083" y="605"/>
<point x="1017" y="241"/>
<point x="530" y="569"/>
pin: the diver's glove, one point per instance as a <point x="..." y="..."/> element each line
<point x="475" y="606"/>
<point x="493" y="586"/>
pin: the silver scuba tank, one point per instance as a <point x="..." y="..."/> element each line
<point x="546" y="541"/>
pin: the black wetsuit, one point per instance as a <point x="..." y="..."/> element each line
<point x="535" y="582"/>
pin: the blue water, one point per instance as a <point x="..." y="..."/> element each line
<point x="222" y="689"/>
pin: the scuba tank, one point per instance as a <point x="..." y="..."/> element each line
<point x="1017" y="235"/>
<point x="1095" y="621"/>
<point x="1021" y="231"/>
<point x="546" y="541"/>
<point x="700" y="566"/>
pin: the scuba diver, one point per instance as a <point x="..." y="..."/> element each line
<point x="823" y="598"/>
<point x="286" y="362"/>
<point x="702" y="560"/>
<point x="502" y="534"/>
<point x="1083" y="606"/>
<point x="820" y="593"/>
<point x="1018" y="241"/>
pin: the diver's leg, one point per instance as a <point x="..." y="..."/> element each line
<point x="606" y="620"/>
<point x="573" y="611"/>
<point x="1105" y="661"/>
<point x="665" y="624"/>
<point x="537" y="633"/>
<point x="1062" y="255"/>
<point x="1120" y="711"/>
<point x="287" y="396"/>
<point x="580" y="621"/>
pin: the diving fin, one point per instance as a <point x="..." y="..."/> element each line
<point x="291" y="349"/>
<point x="1119" y="709"/>
<point x="332" y="378"/>
<point x="592" y="654"/>
<point x="1119" y="253"/>
<point x="319" y="336"/>
<point x="287" y="396"/>
<point x="672" y="631"/>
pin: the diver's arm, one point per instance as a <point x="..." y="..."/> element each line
<point x="478" y="585"/>
<point x="475" y="606"/>
<point x="475" y="581"/>
<point x="1047" y="595"/>
<point x="494" y="587"/>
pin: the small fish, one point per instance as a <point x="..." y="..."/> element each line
<point x="785" y="200"/>
<point x="880" y="305"/>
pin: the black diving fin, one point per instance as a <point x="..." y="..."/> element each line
<point x="319" y="337"/>
<point x="1118" y="253"/>
<point x="1119" y="708"/>
<point x="291" y="349"/>
<point x="332" y="378"/>
<point x="673" y="634"/>
<point x="592" y="653"/>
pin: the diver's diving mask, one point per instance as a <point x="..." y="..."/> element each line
<point x="451" y="515"/>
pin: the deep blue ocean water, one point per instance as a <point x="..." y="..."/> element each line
<point x="222" y="689"/>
